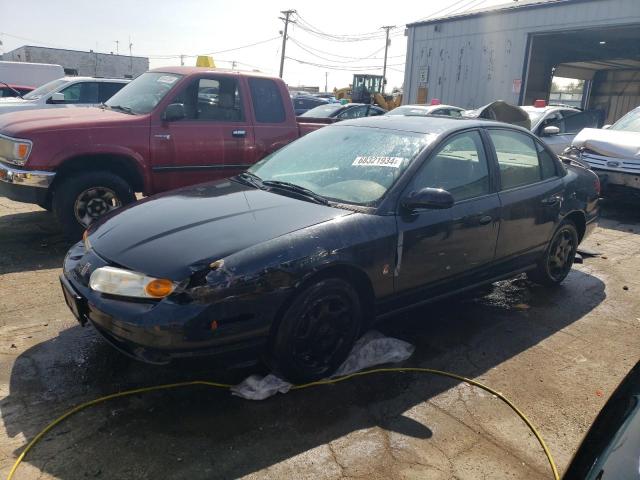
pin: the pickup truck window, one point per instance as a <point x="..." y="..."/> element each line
<point x="212" y="99"/>
<point x="267" y="101"/>
<point x="145" y="92"/>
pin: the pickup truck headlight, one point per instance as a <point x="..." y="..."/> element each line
<point x="125" y="283"/>
<point x="14" y="150"/>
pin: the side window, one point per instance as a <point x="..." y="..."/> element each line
<point x="267" y="101"/>
<point x="459" y="166"/>
<point x="86" y="92"/>
<point x="374" y="112"/>
<point x="211" y="99"/>
<point x="455" y="113"/>
<point x="576" y="121"/>
<point x="548" y="167"/>
<point x="108" y="90"/>
<point x="517" y="158"/>
<point x="353" y="112"/>
<point x="72" y="93"/>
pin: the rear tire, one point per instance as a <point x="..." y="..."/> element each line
<point x="317" y="331"/>
<point x="83" y="198"/>
<point x="558" y="257"/>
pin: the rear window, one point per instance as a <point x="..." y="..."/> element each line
<point x="267" y="101"/>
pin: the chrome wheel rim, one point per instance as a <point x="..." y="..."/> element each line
<point x="561" y="254"/>
<point x="93" y="203"/>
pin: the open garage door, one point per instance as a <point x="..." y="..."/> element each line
<point x="607" y="58"/>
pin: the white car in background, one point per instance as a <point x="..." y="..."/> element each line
<point x="613" y="153"/>
<point x="64" y="92"/>
<point x="557" y="125"/>
<point x="427" y="110"/>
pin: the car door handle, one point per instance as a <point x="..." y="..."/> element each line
<point x="484" y="220"/>
<point x="550" y="201"/>
<point x="239" y="133"/>
<point x="164" y="136"/>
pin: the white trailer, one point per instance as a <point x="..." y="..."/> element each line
<point x="29" y="74"/>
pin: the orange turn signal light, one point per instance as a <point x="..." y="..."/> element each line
<point x="159" y="288"/>
<point x="22" y="150"/>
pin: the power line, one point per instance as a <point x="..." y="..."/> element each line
<point x="341" y="68"/>
<point x="351" y="59"/>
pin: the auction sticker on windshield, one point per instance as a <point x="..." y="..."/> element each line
<point x="393" y="162"/>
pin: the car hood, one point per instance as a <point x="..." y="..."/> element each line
<point x="610" y="143"/>
<point x="47" y="119"/>
<point x="501" y="111"/>
<point x="175" y="234"/>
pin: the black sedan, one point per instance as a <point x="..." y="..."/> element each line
<point x="347" y="111"/>
<point x="293" y="259"/>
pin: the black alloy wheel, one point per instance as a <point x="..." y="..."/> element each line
<point x="317" y="331"/>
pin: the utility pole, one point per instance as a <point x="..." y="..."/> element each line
<point x="386" y="49"/>
<point x="117" y="45"/>
<point x="326" y="77"/>
<point x="287" y="14"/>
<point x="130" y="57"/>
<point x="182" y="60"/>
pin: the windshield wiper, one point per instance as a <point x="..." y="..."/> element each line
<point x="292" y="187"/>
<point x="250" y="179"/>
<point x="122" y="108"/>
<point x="12" y="89"/>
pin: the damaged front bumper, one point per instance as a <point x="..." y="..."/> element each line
<point x="158" y="331"/>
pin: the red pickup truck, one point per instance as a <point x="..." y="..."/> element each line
<point x="168" y="128"/>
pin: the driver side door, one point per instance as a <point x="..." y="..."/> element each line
<point x="435" y="246"/>
<point x="214" y="140"/>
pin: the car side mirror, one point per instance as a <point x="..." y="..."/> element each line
<point x="174" y="112"/>
<point x="433" y="198"/>
<point x="57" y="97"/>
<point x="550" y="130"/>
<point x="606" y="127"/>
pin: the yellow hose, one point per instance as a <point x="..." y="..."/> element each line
<point x="135" y="391"/>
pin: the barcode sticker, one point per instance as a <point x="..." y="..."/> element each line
<point x="392" y="162"/>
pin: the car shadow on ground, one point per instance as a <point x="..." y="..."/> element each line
<point x="31" y="241"/>
<point x="199" y="432"/>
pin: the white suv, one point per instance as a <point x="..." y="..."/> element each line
<point x="64" y="92"/>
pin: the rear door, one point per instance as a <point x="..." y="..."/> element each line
<point x="435" y="245"/>
<point x="214" y="140"/>
<point x="531" y="194"/>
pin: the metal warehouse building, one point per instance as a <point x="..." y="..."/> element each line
<point x="512" y="52"/>
<point x="86" y="64"/>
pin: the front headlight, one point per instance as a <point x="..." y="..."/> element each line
<point x="125" y="283"/>
<point x="14" y="150"/>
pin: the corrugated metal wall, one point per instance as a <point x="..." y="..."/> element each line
<point x="472" y="61"/>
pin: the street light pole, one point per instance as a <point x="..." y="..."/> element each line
<point x="326" y="78"/>
<point x="287" y="14"/>
<point x="386" y="49"/>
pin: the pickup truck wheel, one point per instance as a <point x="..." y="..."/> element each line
<point x="317" y="331"/>
<point x="81" y="199"/>
<point x="558" y="257"/>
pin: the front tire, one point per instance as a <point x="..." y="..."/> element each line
<point x="317" y="331"/>
<point x="83" y="198"/>
<point x="558" y="257"/>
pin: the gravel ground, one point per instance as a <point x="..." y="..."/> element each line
<point x="557" y="354"/>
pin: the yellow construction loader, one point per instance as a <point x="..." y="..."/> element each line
<point x="367" y="89"/>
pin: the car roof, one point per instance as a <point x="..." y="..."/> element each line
<point x="429" y="107"/>
<point x="222" y="71"/>
<point x="548" y="108"/>
<point x="435" y="125"/>
<point x="95" y="79"/>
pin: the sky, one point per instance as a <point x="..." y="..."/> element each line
<point x="338" y="37"/>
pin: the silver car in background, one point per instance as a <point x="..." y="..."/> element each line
<point x="65" y="92"/>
